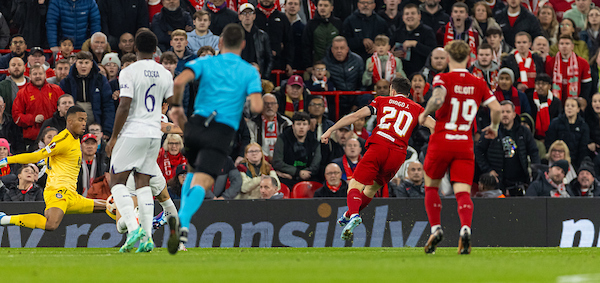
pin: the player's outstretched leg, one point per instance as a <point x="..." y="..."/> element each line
<point x="31" y="221"/>
<point x="433" y="206"/>
<point x="465" y="212"/>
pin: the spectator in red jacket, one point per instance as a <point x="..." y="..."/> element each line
<point x="36" y="102"/>
<point x="170" y="155"/>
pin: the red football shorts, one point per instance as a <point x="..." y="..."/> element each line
<point x="380" y="163"/>
<point x="460" y="163"/>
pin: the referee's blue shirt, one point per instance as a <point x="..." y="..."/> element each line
<point x="225" y="82"/>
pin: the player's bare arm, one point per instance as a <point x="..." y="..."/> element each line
<point x="346" y="121"/>
<point x="256" y="103"/>
<point x="491" y="131"/>
<point x="120" y="118"/>
<point x="435" y="102"/>
<point x="170" y="128"/>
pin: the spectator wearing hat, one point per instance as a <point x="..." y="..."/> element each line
<point x="297" y="153"/>
<point x="93" y="163"/>
<point x="25" y="188"/>
<point x="258" y="46"/>
<point x="545" y="105"/>
<point x="112" y="64"/>
<point x="36" y="102"/>
<point x="506" y="91"/>
<point x="334" y="186"/>
<point x="292" y="97"/>
<point x="36" y="56"/>
<point x="507" y="156"/>
<point x="179" y="46"/>
<point x="586" y="184"/>
<point x="7" y="170"/>
<point x="551" y="183"/>
<point x="174" y="185"/>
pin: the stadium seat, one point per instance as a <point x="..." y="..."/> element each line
<point x="305" y="189"/>
<point x="285" y="191"/>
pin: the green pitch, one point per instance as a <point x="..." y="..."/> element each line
<point x="301" y="265"/>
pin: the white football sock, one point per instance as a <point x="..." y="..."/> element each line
<point x="465" y="229"/>
<point x="121" y="226"/>
<point x="146" y="209"/>
<point x="434" y="227"/>
<point x="5" y="220"/>
<point x="125" y="206"/>
<point x="169" y="208"/>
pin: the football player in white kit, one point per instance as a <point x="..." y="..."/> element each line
<point x="136" y="139"/>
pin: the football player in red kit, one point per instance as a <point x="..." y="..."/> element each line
<point x="456" y="97"/>
<point x="397" y="116"/>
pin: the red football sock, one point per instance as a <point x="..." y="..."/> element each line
<point x="465" y="208"/>
<point x="354" y="201"/>
<point x="433" y="206"/>
<point x="365" y="200"/>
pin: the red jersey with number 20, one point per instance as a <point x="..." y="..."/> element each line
<point x="454" y="120"/>
<point x="397" y="117"/>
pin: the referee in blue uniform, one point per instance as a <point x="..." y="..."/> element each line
<point x="226" y="82"/>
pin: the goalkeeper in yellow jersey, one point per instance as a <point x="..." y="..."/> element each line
<point x="63" y="158"/>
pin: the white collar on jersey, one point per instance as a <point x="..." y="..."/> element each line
<point x="461" y="70"/>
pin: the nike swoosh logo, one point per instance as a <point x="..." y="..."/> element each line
<point x="357" y="198"/>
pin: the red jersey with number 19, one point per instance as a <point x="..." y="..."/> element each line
<point x="454" y="120"/>
<point x="397" y="117"/>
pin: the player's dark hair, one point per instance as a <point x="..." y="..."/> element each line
<point x="401" y="85"/>
<point x="233" y="35"/>
<point x="84" y="55"/>
<point x="146" y="41"/>
<point x="488" y="182"/>
<point x="300" y="116"/>
<point x="74" y="110"/>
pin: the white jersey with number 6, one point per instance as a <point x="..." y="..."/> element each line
<point x="147" y="83"/>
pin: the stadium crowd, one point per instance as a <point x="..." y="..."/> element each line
<point x="539" y="58"/>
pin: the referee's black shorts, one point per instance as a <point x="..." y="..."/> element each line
<point x="207" y="148"/>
